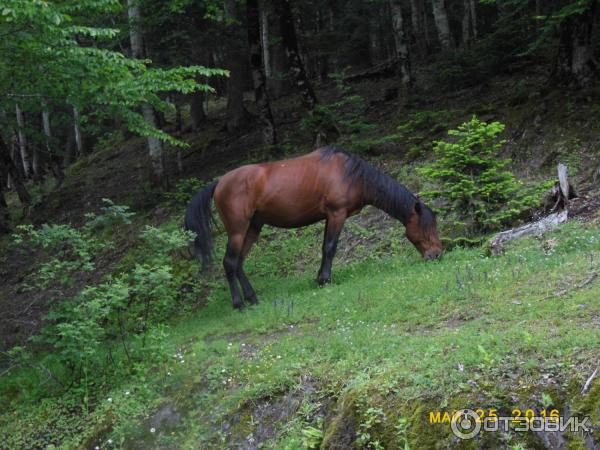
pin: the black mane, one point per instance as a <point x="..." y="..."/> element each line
<point x="381" y="190"/>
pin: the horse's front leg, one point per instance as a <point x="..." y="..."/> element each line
<point x="333" y="228"/>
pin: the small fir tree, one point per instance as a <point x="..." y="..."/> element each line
<point x="473" y="186"/>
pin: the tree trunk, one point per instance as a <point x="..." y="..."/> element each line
<point x="197" y="114"/>
<point x="25" y="156"/>
<point x="425" y="26"/>
<point x="258" y="74"/>
<point x="47" y="130"/>
<point x="4" y="217"/>
<point x="279" y="84"/>
<point x="416" y="27"/>
<point x="441" y="22"/>
<point x="264" y="37"/>
<point x="155" y="150"/>
<point x="469" y="22"/>
<point x="52" y="157"/>
<point x="290" y="44"/>
<point x="78" y="135"/>
<point x="576" y="63"/>
<point x="473" y="8"/>
<point x="236" y="57"/>
<point x="322" y="58"/>
<point x="4" y="181"/>
<point x="373" y="28"/>
<point x="15" y="175"/>
<point x="401" y="43"/>
<point x="15" y="154"/>
<point x="70" y="150"/>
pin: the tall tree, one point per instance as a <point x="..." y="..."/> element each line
<point x="258" y="73"/>
<point x="576" y="63"/>
<point x="236" y="60"/>
<point x="441" y="22"/>
<point x="290" y="43"/>
<point x="22" y="139"/>
<point x="54" y="53"/>
<point x="401" y="43"/>
<point x="4" y="218"/>
<point x="155" y="150"/>
<point x="8" y="167"/>
<point x="265" y="37"/>
<point x="469" y="22"/>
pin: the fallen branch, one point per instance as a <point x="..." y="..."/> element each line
<point x="536" y="228"/>
<point x="562" y="292"/>
<point x="588" y="383"/>
<point x="383" y="69"/>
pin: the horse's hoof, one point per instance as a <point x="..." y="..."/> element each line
<point x="323" y="281"/>
<point x="253" y="299"/>
<point x="239" y="306"/>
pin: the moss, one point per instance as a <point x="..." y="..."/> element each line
<point x="589" y="404"/>
<point x="341" y="426"/>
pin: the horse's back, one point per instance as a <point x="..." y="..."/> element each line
<point x="286" y="193"/>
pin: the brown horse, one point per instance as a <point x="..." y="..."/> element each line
<point x="328" y="183"/>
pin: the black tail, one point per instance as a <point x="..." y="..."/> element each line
<point x="198" y="218"/>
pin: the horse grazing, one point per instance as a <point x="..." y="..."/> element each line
<point x="328" y="183"/>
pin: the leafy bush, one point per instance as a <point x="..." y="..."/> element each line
<point x="112" y="215"/>
<point x="81" y="329"/>
<point x="122" y="315"/>
<point x="473" y="184"/>
<point x="342" y="116"/>
<point x="492" y="54"/>
<point x="419" y="127"/>
<point x="184" y="191"/>
<point x="71" y="250"/>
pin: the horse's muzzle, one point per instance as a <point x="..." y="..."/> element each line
<point x="430" y="255"/>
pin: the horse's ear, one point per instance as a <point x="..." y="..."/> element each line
<point x="418" y="208"/>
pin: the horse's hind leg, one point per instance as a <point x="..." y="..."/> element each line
<point x="251" y="238"/>
<point x="333" y="228"/>
<point x="231" y="262"/>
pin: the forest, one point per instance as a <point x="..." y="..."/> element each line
<point x="465" y="132"/>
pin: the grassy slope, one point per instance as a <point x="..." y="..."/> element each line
<point x="366" y="358"/>
<point x="370" y="354"/>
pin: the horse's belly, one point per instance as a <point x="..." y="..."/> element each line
<point x="279" y="218"/>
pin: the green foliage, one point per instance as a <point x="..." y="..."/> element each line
<point x="111" y="216"/>
<point x="78" y="66"/>
<point x="70" y="250"/>
<point x="472" y="182"/>
<point x="388" y="336"/>
<point x="492" y="54"/>
<point x="344" y="115"/>
<point x="419" y="128"/>
<point x="311" y="437"/>
<point x="125" y="309"/>
<point x="184" y="191"/>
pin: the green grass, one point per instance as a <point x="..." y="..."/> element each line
<point x="389" y="340"/>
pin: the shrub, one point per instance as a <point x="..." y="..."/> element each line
<point x="123" y="314"/>
<point x="472" y="183"/>
<point x="111" y="215"/>
<point x="70" y="250"/>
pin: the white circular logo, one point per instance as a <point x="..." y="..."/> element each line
<point x="465" y="424"/>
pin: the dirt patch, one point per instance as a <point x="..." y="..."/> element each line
<point x="264" y="420"/>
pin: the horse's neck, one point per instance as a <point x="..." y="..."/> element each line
<point x="392" y="198"/>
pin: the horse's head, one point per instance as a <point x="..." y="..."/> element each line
<point x="421" y="230"/>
